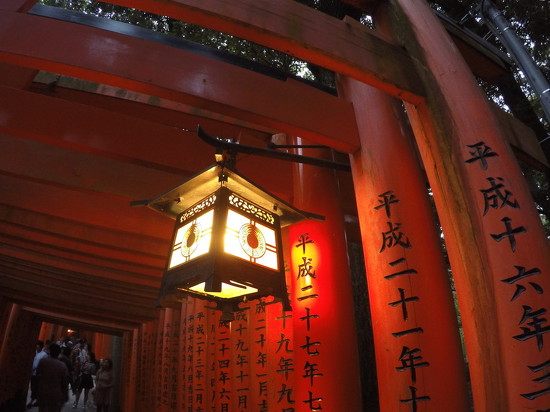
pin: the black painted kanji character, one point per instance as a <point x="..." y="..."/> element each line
<point x="393" y="237"/>
<point x="224" y="377"/>
<point x="223" y="363"/>
<point x="311" y="372"/>
<point x="303" y="241"/>
<point x="263" y="406"/>
<point x="286" y="365"/>
<point x="224" y="393"/>
<point x="401" y="272"/>
<point x="260" y="306"/>
<point x="310" y="401"/>
<point x="481" y="152"/>
<point x="241" y="328"/>
<point x="241" y="360"/>
<point x="241" y="375"/>
<point x="536" y="323"/>
<point x="262" y="359"/>
<point x="284" y="341"/>
<point x="285" y="393"/>
<point x="284" y="316"/>
<point x="240" y="346"/>
<point x="407" y="332"/>
<point x="262" y="340"/>
<point x="545" y="368"/>
<point x="414" y="399"/>
<point x="310" y="345"/>
<point x="403" y="302"/>
<point x="241" y="316"/>
<point x="386" y="199"/>
<point x="223" y="349"/>
<point x="495" y="197"/>
<point x="308" y="317"/>
<point x="509" y="233"/>
<point x="243" y="399"/>
<point x="262" y="386"/>
<point x="410" y="360"/>
<point x="522" y="273"/>
<point x="306" y="269"/>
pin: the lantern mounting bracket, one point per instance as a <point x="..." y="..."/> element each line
<point x="232" y="148"/>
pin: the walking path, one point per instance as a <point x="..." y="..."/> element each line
<point x="69" y="405"/>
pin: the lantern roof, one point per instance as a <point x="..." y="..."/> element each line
<point x="180" y="198"/>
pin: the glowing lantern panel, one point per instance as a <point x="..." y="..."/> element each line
<point x="226" y="244"/>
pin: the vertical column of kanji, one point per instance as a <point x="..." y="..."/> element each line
<point x="521" y="287"/>
<point x="158" y="366"/>
<point x="325" y="343"/>
<point x="259" y="378"/>
<point x="166" y="351"/>
<point x="146" y="391"/>
<point x="182" y="360"/>
<point x="240" y="363"/>
<point x="200" y="382"/>
<point x="174" y="361"/>
<point x="128" y="369"/>
<point x="224" y="367"/>
<point x="140" y="366"/>
<point x="496" y="243"/>
<point x="190" y="393"/>
<point x="280" y="357"/>
<point x="213" y="318"/>
<point x="417" y="344"/>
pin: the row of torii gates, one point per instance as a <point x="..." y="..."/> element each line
<point x="75" y="153"/>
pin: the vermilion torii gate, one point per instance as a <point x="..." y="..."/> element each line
<point x="497" y="248"/>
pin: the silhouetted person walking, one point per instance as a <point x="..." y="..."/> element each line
<point x="104" y="385"/>
<point x="41" y="353"/>
<point x="53" y="382"/>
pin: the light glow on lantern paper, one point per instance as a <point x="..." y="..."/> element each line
<point x="233" y="245"/>
<point x="228" y="291"/>
<point x="190" y="244"/>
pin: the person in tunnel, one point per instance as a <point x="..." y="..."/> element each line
<point x="86" y="380"/>
<point x="104" y="385"/>
<point x="53" y="382"/>
<point x="41" y="353"/>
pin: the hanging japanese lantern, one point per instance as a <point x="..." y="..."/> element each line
<point x="226" y="244"/>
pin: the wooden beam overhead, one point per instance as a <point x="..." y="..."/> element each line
<point x="133" y="64"/>
<point x="343" y="46"/>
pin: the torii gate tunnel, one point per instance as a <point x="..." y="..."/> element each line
<point x="95" y="113"/>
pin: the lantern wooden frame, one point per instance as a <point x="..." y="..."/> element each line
<point x="206" y="270"/>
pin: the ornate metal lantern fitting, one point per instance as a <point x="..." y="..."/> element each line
<point x="226" y="246"/>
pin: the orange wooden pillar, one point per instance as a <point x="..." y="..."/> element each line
<point x="46" y="331"/>
<point x="417" y="345"/>
<point x="128" y="370"/>
<point x="18" y="331"/>
<point x="102" y="345"/>
<point x="497" y="248"/>
<point x="326" y="369"/>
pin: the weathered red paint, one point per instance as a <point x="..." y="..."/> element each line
<point x="386" y="169"/>
<point x="453" y="126"/>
